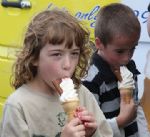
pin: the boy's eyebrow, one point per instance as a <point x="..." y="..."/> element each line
<point x="136" y="44"/>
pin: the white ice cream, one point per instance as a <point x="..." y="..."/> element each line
<point x="127" y="79"/>
<point x="69" y="93"/>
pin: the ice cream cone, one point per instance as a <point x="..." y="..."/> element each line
<point x="145" y="101"/>
<point x="118" y="75"/>
<point x="126" y="94"/>
<point x="70" y="107"/>
<point x="56" y="86"/>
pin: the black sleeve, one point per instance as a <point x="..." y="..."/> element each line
<point x="92" y="86"/>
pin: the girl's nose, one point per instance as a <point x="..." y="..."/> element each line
<point x="67" y="63"/>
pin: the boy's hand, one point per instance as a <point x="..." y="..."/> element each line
<point x="74" y="128"/>
<point x="88" y="121"/>
<point x="127" y="113"/>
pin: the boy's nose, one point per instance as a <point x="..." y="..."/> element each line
<point x="127" y="58"/>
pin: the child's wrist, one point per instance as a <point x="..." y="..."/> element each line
<point x="120" y="122"/>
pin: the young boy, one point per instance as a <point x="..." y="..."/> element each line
<point x="117" y="32"/>
<point x="55" y="47"/>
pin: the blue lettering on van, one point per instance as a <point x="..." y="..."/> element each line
<point x="90" y="16"/>
<point x="142" y="15"/>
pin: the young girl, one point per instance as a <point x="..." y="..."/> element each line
<point x="55" y="46"/>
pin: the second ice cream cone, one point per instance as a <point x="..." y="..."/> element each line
<point x="145" y="101"/>
<point x="118" y="75"/>
<point x="70" y="107"/>
<point x="126" y="95"/>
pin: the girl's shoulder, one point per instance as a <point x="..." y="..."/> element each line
<point x="18" y="96"/>
<point x="84" y="93"/>
<point x="83" y="90"/>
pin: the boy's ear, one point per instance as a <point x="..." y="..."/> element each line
<point x="98" y="43"/>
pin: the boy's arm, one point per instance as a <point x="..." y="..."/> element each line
<point x="118" y="132"/>
<point x="127" y="115"/>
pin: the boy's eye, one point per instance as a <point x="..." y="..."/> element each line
<point x="120" y="51"/>
<point x="124" y="51"/>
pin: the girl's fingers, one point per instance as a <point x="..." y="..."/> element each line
<point x="75" y="122"/>
<point x="86" y="116"/>
<point x="80" y="109"/>
<point x="89" y="125"/>
<point x="81" y="134"/>
<point x="80" y="128"/>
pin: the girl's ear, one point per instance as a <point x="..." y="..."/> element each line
<point x="98" y="43"/>
<point x="35" y="63"/>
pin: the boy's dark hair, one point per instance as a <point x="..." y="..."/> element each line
<point x="114" y="20"/>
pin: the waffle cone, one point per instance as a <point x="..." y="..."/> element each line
<point x="70" y="107"/>
<point x="118" y="75"/>
<point x="145" y="101"/>
<point x="126" y="94"/>
<point x="56" y="86"/>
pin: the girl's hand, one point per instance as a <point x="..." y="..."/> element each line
<point x="88" y="121"/>
<point x="74" y="128"/>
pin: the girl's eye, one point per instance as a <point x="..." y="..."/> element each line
<point x="56" y="54"/>
<point x="75" y="54"/>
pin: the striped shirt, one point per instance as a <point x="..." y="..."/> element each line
<point x="102" y="82"/>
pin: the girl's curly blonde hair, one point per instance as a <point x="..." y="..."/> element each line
<point x="51" y="26"/>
